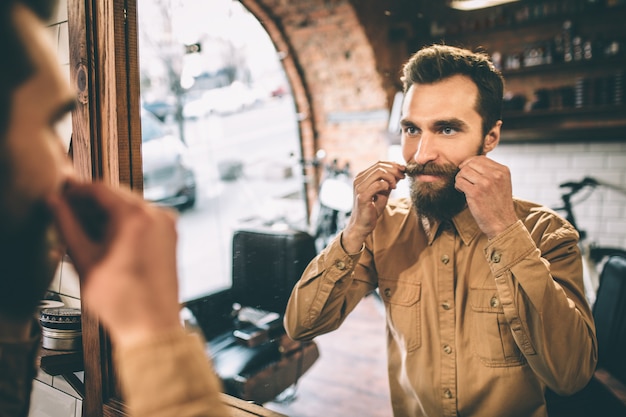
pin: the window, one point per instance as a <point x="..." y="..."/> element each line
<point x="225" y="148"/>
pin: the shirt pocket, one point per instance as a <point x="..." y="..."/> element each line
<point x="491" y="337"/>
<point x="403" y="307"/>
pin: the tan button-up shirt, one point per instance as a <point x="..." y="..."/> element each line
<point x="475" y="327"/>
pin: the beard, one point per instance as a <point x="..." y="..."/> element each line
<point x="438" y="200"/>
<point x="26" y="244"/>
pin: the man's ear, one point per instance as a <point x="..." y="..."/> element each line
<point x="492" y="138"/>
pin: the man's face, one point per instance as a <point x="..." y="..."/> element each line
<point x="440" y="129"/>
<point x="38" y="159"/>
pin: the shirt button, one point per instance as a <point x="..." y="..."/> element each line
<point x="387" y="292"/>
<point x="447" y="393"/>
<point x="445" y="305"/>
<point x="496" y="257"/>
<point x="494" y="302"/>
<point x="445" y="259"/>
<point x="447" y="349"/>
<point x="341" y="265"/>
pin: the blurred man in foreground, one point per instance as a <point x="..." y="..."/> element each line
<point x="123" y="249"/>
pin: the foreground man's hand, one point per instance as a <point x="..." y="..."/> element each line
<point x="124" y="251"/>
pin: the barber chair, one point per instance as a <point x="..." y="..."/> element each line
<point x="606" y="392"/>
<point x="243" y="324"/>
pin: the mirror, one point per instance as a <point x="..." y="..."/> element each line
<point x="220" y="138"/>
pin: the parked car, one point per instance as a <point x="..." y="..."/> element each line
<point x="167" y="177"/>
<point x="162" y="109"/>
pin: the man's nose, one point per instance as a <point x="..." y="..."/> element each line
<point x="425" y="150"/>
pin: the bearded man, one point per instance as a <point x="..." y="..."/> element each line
<point x="483" y="292"/>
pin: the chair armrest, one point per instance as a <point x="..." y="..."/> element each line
<point x="611" y="384"/>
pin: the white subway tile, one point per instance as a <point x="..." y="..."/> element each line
<point x="60" y="383"/>
<point x="47" y="401"/>
<point x="63" y="49"/>
<point x="43" y="377"/>
<point x="61" y="12"/>
<point x="70" y="284"/>
<point x="588" y="160"/>
<point x="55" y="285"/>
<point x="79" y="408"/>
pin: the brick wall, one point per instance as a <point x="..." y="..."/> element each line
<point x="336" y="62"/>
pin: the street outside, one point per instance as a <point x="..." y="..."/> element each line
<point x="265" y="141"/>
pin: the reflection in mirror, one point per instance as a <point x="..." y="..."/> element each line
<point x="219" y="131"/>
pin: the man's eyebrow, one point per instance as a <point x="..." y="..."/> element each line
<point x="454" y="123"/>
<point x="63" y="110"/>
<point x="406" y="123"/>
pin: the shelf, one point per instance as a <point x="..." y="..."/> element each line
<point x="592" y="15"/>
<point x="607" y="123"/>
<point x="606" y="64"/>
<point x="54" y="362"/>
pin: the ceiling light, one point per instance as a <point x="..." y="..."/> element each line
<point x="476" y="4"/>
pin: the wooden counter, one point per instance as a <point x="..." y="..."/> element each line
<point x="241" y="408"/>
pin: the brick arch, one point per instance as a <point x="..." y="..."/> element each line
<point x="302" y="99"/>
<point x="332" y="69"/>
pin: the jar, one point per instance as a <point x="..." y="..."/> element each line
<point x="61" y="328"/>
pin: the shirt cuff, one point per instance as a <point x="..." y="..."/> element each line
<point x="166" y="372"/>
<point x="509" y="247"/>
<point x="344" y="249"/>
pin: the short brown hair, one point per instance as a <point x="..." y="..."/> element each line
<point x="437" y="62"/>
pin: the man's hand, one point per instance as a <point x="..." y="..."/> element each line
<point x="371" y="193"/>
<point x="487" y="188"/>
<point x="126" y="263"/>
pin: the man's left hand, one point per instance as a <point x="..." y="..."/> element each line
<point x="487" y="188"/>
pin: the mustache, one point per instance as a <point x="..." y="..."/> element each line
<point x="429" y="168"/>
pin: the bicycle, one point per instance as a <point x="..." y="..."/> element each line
<point x="593" y="255"/>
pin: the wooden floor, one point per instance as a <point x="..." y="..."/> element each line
<point x="350" y="377"/>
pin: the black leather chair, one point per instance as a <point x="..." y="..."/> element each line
<point x="605" y="395"/>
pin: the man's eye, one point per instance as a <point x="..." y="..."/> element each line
<point x="448" y="131"/>
<point x="411" y="130"/>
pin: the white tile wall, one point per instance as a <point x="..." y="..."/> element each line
<point x="538" y="169"/>
<point x="52" y="396"/>
<point x="47" y="401"/>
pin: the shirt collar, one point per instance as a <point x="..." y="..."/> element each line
<point x="464" y="224"/>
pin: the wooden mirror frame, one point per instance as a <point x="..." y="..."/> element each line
<point x="106" y="145"/>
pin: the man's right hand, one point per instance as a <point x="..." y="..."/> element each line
<point x="127" y="264"/>
<point x="371" y="193"/>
